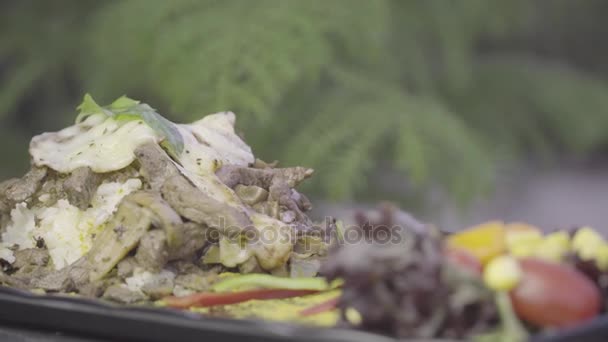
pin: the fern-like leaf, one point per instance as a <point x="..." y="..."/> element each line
<point x="240" y="55"/>
<point x="349" y="136"/>
<point x="536" y="104"/>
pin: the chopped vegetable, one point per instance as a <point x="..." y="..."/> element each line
<point x="601" y="257"/>
<point x="511" y="329"/>
<point x="559" y="238"/>
<point x="319" y="308"/>
<point x="267" y="281"/>
<point x="586" y="242"/>
<point x="408" y="289"/>
<point x="553" y="247"/>
<point x="502" y="273"/>
<point x="463" y="258"/>
<point x="522" y="239"/>
<point x="353" y="317"/>
<point x="554" y="295"/>
<point x="528" y="241"/>
<point x="207" y="299"/>
<point x="484" y="241"/>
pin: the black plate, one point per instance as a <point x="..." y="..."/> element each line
<point x="100" y="320"/>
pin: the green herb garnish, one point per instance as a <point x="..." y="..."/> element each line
<point x="128" y="109"/>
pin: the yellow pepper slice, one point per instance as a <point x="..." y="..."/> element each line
<point x="484" y="241"/>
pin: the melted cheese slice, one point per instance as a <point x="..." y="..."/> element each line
<point x="99" y="142"/>
<point x="105" y="144"/>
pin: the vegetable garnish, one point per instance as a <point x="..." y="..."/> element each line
<point x="554" y="295"/>
<point x="511" y="329"/>
<point x="207" y="299"/>
<point x="128" y="109"/>
<point x="249" y="281"/>
<point x="319" y="308"/>
<point x="502" y="273"/>
<point x="281" y="310"/>
<point x="484" y="241"/>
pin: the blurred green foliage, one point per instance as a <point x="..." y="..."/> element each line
<point x="441" y="90"/>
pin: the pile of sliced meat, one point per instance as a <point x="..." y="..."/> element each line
<point x="163" y="239"/>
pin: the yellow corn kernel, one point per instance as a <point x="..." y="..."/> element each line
<point x="521" y="239"/>
<point x="502" y="273"/>
<point x="550" y="252"/>
<point x="560" y="238"/>
<point x="353" y="316"/>
<point x="553" y="247"/>
<point x="586" y="243"/>
<point x="601" y="258"/>
<point x="523" y="249"/>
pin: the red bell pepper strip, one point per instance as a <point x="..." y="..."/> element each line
<point x="319" y="308"/>
<point x="207" y="299"/>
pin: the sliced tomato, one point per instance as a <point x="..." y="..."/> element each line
<point x="207" y="299"/>
<point x="554" y="295"/>
<point x="319" y="308"/>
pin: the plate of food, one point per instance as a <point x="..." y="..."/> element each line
<point x="131" y="226"/>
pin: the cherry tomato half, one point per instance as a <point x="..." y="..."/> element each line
<point x="554" y="295"/>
